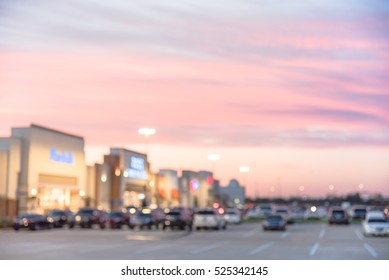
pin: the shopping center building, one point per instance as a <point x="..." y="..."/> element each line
<point x="41" y="169"/>
<point x="123" y="179"/>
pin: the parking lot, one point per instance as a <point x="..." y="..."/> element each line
<point x="246" y="241"/>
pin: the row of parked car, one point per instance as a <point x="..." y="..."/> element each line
<point x="132" y="217"/>
<point x="356" y="212"/>
<point x="375" y="222"/>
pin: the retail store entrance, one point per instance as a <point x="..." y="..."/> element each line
<point x="57" y="192"/>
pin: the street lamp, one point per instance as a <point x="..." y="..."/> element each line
<point x="244" y="170"/>
<point x="213" y="158"/>
<point x="272" y="191"/>
<point x="147" y="132"/>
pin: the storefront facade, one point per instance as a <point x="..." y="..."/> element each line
<point x="196" y="188"/>
<point x="123" y="180"/>
<point x="168" y="188"/>
<point x="51" y="173"/>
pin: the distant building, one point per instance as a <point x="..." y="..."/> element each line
<point x="122" y="180"/>
<point x="168" y="188"/>
<point x="206" y="197"/>
<point x="232" y="194"/>
<point x="189" y="187"/>
<point x="196" y="188"/>
<point x="41" y="169"/>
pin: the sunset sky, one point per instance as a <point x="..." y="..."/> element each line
<point x="296" y="90"/>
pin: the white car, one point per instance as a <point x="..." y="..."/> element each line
<point x="232" y="216"/>
<point x="252" y="213"/>
<point x="375" y="224"/>
<point x="209" y="218"/>
<point x="315" y="212"/>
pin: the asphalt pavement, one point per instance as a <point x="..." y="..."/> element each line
<point x="247" y="241"/>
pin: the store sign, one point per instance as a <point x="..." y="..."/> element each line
<point x="194" y="185"/>
<point x="137" y="163"/>
<point x="61" y="156"/>
<point x="137" y="168"/>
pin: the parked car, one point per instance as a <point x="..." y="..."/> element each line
<point x="337" y="215"/>
<point x="60" y="217"/>
<point x="158" y="215"/>
<point x="32" y="221"/>
<point x="144" y="219"/>
<point x="117" y="219"/>
<point x="232" y="216"/>
<point x="375" y="225"/>
<point x="274" y="222"/>
<point x="265" y="210"/>
<point x="315" y="213"/>
<point x="358" y="212"/>
<point x="87" y="217"/>
<point x="252" y="213"/>
<point x="209" y="218"/>
<point x="178" y="217"/>
<point x="131" y="209"/>
<point x="298" y="214"/>
<point x="286" y="212"/>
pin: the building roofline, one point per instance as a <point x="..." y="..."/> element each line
<point x="55" y="131"/>
<point x="127" y="150"/>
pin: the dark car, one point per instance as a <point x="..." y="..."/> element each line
<point x="286" y="212"/>
<point x="274" y="222"/>
<point x="338" y="216"/>
<point x="131" y="209"/>
<point x="60" y="217"/>
<point x="178" y="218"/>
<point x="32" y="221"/>
<point x="143" y="219"/>
<point x="116" y="219"/>
<point x="87" y="217"/>
<point x="359" y="212"/>
<point x="159" y="216"/>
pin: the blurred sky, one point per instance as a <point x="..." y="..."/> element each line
<point x="296" y="90"/>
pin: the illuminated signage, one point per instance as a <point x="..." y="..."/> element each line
<point x="136" y="174"/>
<point x="194" y="185"/>
<point x="61" y="156"/>
<point x="137" y="163"/>
<point x="137" y="168"/>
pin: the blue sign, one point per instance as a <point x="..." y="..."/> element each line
<point x="137" y="174"/>
<point x="63" y="156"/>
<point x="137" y="168"/>
<point x="137" y="163"/>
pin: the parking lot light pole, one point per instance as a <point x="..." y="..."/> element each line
<point x="146" y="132"/>
<point x="244" y="170"/>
